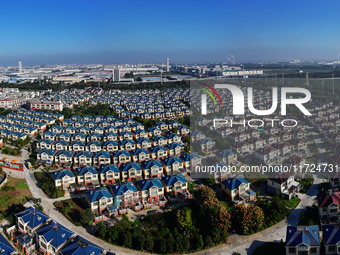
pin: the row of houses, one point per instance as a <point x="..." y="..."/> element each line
<point x="142" y="138"/>
<point x="112" y="173"/>
<point x="35" y="232"/>
<point x="143" y="194"/>
<point x="68" y="157"/>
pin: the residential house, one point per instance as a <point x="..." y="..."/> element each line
<point x="175" y="184"/>
<point x="29" y="220"/>
<point x="152" y="169"/>
<point x="139" y="155"/>
<point x="127" y="196"/>
<point x="152" y="191"/>
<point x="121" y="156"/>
<point x="110" y="146"/>
<point x="46" y="156"/>
<point x="238" y="190"/>
<point x="52" y="237"/>
<point x="109" y="174"/>
<point x="87" y="176"/>
<point x="331" y="239"/>
<point x="283" y="183"/>
<point x="227" y="156"/>
<point x="131" y="171"/>
<point x="329" y="206"/>
<point x="100" y="200"/>
<point x="80" y="246"/>
<point x="64" y="179"/>
<point x="302" y="240"/>
<point x="64" y="157"/>
<point x="82" y="158"/>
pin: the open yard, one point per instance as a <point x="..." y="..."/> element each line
<point x="14" y="193"/>
<point x="72" y="209"/>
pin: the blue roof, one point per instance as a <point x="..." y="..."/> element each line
<point x="33" y="217"/>
<point x="308" y="235"/>
<point x="110" y="134"/>
<point x="46" y="141"/>
<point x="114" y="143"/>
<point x="331" y="234"/>
<point x="138" y="151"/>
<point x="189" y="156"/>
<point x="66" y="153"/>
<point x="150" y="163"/>
<point x="147" y="184"/>
<point x="95" y="195"/>
<point x="173" y="146"/>
<point x="127" y="166"/>
<point x="64" y="134"/>
<point x="82" y="135"/>
<point x="80" y="246"/>
<point x="170" y="161"/>
<point x="57" y="175"/>
<point x="225" y="153"/>
<point x="5" y="247"/>
<point x="170" y="180"/>
<point x="157" y="148"/>
<point x="48" y="152"/>
<point x="55" y="234"/>
<point x="233" y="183"/>
<point x="62" y="142"/>
<point x="144" y="139"/>
<point x="85" y="153"/>
<point x="106" y="168"/>
<point x="97" y="143"/>
<point x="86" y="169"/>
<point x="106" y="154"/>
<point x="129" y="141"/>
<point x="121" y="152"/>
<point x="121" y="189"/>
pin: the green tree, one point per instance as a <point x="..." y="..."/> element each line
<point x="183" y="218"/>
<point x="101" y="230"/>
<point x="162" y="246"/>
<point x="250" y="219"/>
<point x="199" y="242"/>
<point x="87" y="217"/>
<point x="208" y="242"/>
<point x="149" y="244"/>
<point x="113" y="234"/>
<point x="128" y="239"/>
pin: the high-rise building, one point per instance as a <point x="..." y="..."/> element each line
<point x="20" y="66"/>
<point x="167" y="65"/>
<point x="116" y="74"/>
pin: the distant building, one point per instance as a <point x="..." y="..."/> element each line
<point x="20" y="66"/>
<point x="167" y="65"/>
<point x="46" y="105"/>
<point x="65" y="79"/>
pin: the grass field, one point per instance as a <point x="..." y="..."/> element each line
<point x="293" y="202"/>
<point x="72" y="209"/>
<point x="14" y="195"/>
<point x="4" y="198"/>
<point x="22" y="185"/>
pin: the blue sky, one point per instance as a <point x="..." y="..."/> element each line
<point x="133" y="31"/>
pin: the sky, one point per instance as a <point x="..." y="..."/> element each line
<point x="186" y="31"/>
